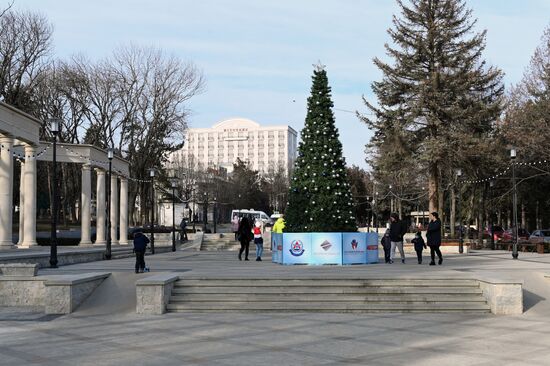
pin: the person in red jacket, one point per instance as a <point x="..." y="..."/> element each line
<point x="258" y="240"/>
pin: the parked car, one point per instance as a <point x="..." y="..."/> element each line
<point x="498" y="231"/>
<point x="540" y="234"/>
<point x="508" y="235"/>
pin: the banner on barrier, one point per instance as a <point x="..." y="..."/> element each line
<point x="326" y="248"/>
<point x="354" y="246"/>
<point x="372" y="247"/>
<point x="276" y="247"/>
<point x="296" y="248"/>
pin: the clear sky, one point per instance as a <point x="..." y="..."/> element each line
<point x="257" y="55"/>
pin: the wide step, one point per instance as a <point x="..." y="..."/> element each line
<point x="327" y="295"/>
<point x="329" y="307"/>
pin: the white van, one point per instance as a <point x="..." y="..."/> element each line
<point x="256" y="215"/>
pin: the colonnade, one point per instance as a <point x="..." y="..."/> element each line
<point x="28" y="200"/>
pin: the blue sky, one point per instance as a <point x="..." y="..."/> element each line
<point x="257" y="55"/>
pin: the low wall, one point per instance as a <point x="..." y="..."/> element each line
<point x="505" y="297"/>
<point x="153" y="293"/>
<point x="60" y="294"/>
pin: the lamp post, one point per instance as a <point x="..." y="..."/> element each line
<point x="152" y="175"/>
<point x="513" y="155"/>
<point x="55" y="125"/>
<point x="174" y="183"/>
<point x="109" y="239"/>
<point x="460" y="237"/>
<point x="205" y="212"/>
<point x="215" y="212"/>
<point x="491" y="231"/>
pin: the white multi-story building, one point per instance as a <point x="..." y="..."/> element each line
<point x="265" y="148"/>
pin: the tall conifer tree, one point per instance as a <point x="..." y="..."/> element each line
<point x="320" y="196"/>
<point x="438" y="90"/>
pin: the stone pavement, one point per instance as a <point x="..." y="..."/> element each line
<point x="105" y="329"/>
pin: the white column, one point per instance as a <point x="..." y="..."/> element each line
<point x="29" y="208"/>
<point x="123" y="211"/>
<point x="85" y="205"/>
<point x="6" y="192"/>
<point x="113" y="217"/>
<point x="21" y="205"/>
<point x="100" y="208"/>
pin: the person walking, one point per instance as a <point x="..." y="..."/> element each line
<point x="235" y="225"/>
<point x="419" y="245"/>
<point x="245" y="235"/>
<point x="140" y="245"/>
<point x="258" y="240"/>
<point x="386" y="244"/>
<point x="398" y="228"/>
<point x="433" y="235"/>
<point x="183" y="227"/>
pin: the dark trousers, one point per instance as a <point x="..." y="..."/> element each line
<point x="183" y="235"/>
<point x="244" y="247"/>
<point x="433" y="251"/>
<point x="140" y="261"/>
<point x="419" y="255"/>
<point x="387" y="251"/>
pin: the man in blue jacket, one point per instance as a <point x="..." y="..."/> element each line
<point x="140" y="245"/>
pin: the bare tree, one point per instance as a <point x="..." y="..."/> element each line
<point x="25" y="44"/>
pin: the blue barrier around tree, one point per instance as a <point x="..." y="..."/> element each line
<point x="324" y="248"/>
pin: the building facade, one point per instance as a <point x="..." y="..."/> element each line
<point x="263" y="147"/>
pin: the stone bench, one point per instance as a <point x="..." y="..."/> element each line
<point x="64" y="293"/>
<point x="153" y="293"/>
<point x="505" y="297"/>
<point x="19" y="269"/>
<point x="58" y="294"/>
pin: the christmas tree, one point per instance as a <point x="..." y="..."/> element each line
<point x="320" y="197"/>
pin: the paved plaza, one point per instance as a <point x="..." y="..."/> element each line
<point x="105" y="329"/>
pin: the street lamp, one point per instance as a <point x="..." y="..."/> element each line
<point x="174" y="183"/>
<point x="492" y="232"/>
<point x="152" y="175"/>
<point x="460" y="237"/>
<point x="55" y="125"/>
<point x="205" y="212"/>
<point x="110" y="153"/>
<point x="513" y="155"/>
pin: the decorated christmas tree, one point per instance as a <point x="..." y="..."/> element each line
<point x="320" y="197"/>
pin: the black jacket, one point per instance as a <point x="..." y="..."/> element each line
<point x="434" y="233"/>
<point x="245" y="230"/>
<point x="398" y="229"/>
<point x="418" y="242"/>
<point x="140" y="242"/>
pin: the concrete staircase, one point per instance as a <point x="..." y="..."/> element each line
<point x="328" y="295"/>
<point x="214" y="242"/>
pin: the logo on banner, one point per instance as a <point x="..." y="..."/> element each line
<point x="354" y="244"/>
<point x="296" y="248"/>
<point x="372" y="247"/>
<point x="326" y="245"/>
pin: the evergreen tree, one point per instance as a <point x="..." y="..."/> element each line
<point x="438" y="91"/>
<point x="320" y="197"/>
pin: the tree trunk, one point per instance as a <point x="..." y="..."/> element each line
<point x="523" y="216"/>
<point x="400" y="209"/>
<point x="480" y="215"/>
<point x="433" y="187"/>
<point x="537" y="217"/>
<point x="452" y="216"/>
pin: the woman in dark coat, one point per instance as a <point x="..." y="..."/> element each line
<point x="244" y="234"/>
<point x="434" y="237"/>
